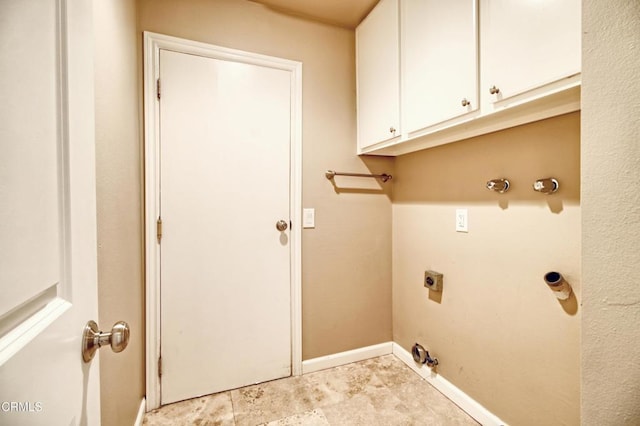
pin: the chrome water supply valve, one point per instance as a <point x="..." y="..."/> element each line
<point x="498" y="185"/>
<point x="546" y="186"/>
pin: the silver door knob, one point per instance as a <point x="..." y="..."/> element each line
<point x="281" y="225"/>
<point x="93" y="339"/>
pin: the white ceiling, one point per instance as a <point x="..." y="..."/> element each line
<point x="344" y="13"/>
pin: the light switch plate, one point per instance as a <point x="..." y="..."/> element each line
<point x="308" y="218"/>
<point x="462" y="220"/>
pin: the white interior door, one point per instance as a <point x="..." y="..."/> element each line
<point x="47" y="213"/>
<point x="225" y="134"/>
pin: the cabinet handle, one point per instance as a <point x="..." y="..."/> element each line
<point x="465" y="102"/>
<point x="392" y="129"/>
<point x="494" y="90"/>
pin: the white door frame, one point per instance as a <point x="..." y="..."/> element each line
<point x="153" y="43"/>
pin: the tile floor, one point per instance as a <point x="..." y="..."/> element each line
<point x="378" y="391"/>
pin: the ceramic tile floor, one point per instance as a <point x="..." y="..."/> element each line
<point x="378" y="391"/>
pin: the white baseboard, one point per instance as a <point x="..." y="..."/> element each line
<point x="342" y="358"/>
<point x="141" y="411"/>
<point x="448" y="389"/>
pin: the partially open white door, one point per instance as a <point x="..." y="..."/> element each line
<point x="47" y="213"/>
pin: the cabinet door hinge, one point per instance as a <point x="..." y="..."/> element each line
<point x="159" y="229"/>
<point x="158" y="88"/>
<point x="160" y="367"/>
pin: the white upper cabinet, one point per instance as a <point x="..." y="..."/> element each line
<point x="525" y="55"/>
<point x="439" y="63"/>
<point x="527" y="44"/>
<point x="378" y="75"/>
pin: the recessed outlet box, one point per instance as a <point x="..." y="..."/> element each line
<point x="433" y="280"/>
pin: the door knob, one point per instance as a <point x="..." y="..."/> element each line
<point x="93" y="339"/>
<point x="281" y="225"/>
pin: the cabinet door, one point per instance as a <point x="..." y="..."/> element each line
<point x="439" y="61"/>
<point x="527" y="44"/>
<point x="378" y="75"/>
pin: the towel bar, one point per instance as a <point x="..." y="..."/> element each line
<point x="330" y="174"/>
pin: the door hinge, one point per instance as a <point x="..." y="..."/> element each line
<point x="160" y="367"/>
<point x="159" y="229"/>
<point x="158" y="88"/>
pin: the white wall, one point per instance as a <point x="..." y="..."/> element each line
<point x="611" y="213"/>
<point x="119" y="194"/>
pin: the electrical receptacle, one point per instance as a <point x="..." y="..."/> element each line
<point x="462" y="220"/>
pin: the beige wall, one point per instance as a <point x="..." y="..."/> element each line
<point x="499" y="333"/>
<point x="119" y="206"/>
<point x="611" y="213"/>
<point x="347" y="258"/>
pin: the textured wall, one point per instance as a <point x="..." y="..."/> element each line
<point x="499" y="333"/>
<point x="119" y="193"/>
<point x="346" y="259"/>
<point x="611" y="213"/>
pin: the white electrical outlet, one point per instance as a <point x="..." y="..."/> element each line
<point x="462" y="220"/>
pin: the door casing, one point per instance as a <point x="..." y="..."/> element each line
<point x="153" y="43"/>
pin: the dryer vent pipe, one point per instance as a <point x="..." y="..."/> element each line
<point x="556" y="282"/>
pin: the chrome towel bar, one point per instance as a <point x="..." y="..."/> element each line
<point x="330" y="174"/>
